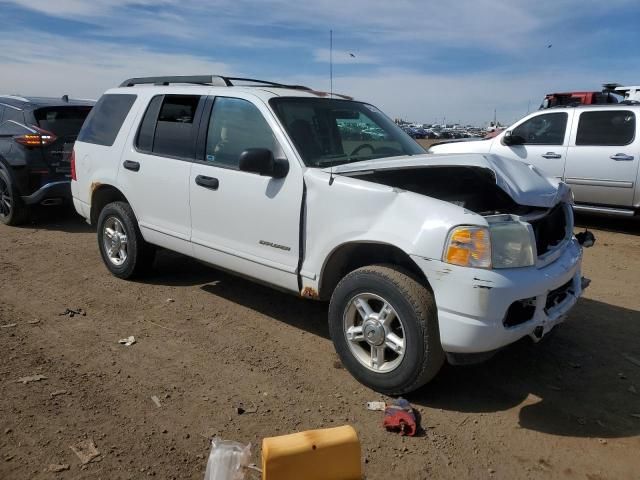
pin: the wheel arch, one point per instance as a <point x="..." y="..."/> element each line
<point x="102" y="195"/>
<point x="352" y="255"/>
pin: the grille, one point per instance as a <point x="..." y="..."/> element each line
<point x="550" y="230"/>
<point x="558" y="295"/>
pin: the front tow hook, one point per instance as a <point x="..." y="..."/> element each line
<point x="586" y="239"/>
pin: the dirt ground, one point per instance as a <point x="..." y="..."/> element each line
<point x="207" y="343"/>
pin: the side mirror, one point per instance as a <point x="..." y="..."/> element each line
<point x="510" y="139"/>
<point x="261" y="161"/>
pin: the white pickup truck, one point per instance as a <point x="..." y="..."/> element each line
<point x="423" y="258"/>
<point x="593" y="148"/>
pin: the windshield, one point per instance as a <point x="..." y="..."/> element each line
<point x="330" y="132"/>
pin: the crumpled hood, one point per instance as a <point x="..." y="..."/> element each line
<point x="523" y="182"/>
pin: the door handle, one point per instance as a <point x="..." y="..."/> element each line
<point x="131" y="165"/>
<point x="207" y="182"/>
<point x="621" y="157"/>
<point x="551" y="155"/>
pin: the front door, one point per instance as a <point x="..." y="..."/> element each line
<point x="242" y="221"/>
<point x="603" y="157"/>
<point x="545" y="142"/>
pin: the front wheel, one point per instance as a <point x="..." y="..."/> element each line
<point x="384" y="327"/>
<point x="123" y="250"/>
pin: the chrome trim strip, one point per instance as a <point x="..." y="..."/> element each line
<point x="599" y="183"/>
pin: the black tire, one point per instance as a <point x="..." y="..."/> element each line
<point x="414" y="304"/>
<point x="139" y="254"/>
<point x="13" y="211"/>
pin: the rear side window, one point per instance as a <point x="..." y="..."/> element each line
<point x="62" y="121"/>
<point x="169" y="126"/>
<point x="104" y="122"/>
<point x="613" y="127"/>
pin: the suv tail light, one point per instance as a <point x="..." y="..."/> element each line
<point x="73" y="165"/>
<point x="41" y="138"/>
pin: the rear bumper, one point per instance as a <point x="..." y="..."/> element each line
<point x="53" y="190"/>
<point x="473" y="303"/>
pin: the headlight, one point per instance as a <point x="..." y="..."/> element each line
<point x="511" y="242"/>
<point x="469" y="247"/>
<point x="502" y="245"/>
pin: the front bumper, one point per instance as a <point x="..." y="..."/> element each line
<point x="473" y="303"/>
<point x="51" y="191"/>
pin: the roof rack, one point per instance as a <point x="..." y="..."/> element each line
<point x="214" y="80"/>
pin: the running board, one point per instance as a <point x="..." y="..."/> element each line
<point x="604" y="210"/>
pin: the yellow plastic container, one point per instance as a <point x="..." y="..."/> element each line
<point x="327" y="454"/>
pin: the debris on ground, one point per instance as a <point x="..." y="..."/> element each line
<point x="632" y="389"/>
<point x="400" y="417"/>
<point x="227" y="460"/>
<point x="69" y="312"/>
<point x="58" y="392"/>
<point x="34" y="322"/>
<point x="376" y="406"/>
<point x="58" y="467"/>
<point x="32" y="378"/>
<point x="9" y="325"/>
<point x="170" y="300"/>
<point x="85" y="450"/>
<point x="632" y="359"/>
<point x="635" y="415"/>
<point x="241" y="410"/>
<point x="156" y="400"/>
<point x="127" y="342"/>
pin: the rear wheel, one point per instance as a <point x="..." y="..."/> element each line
<point x="13" y="211"/>
<point x="123" y="250"/>
<point x="384" y="327"/>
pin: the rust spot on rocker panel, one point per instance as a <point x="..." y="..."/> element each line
<point x="309" y="292"/>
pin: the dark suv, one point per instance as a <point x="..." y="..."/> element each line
<point x="36" y="143"/>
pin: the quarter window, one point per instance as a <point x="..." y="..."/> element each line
<point x="612" y="127"/>
<point x="105" y="119"/>
<point x="546" y="129"/>
<point x="235" y="126"/>
<point x="13" y="128"/>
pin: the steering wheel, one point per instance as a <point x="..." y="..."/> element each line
<point x="362" y="147"/>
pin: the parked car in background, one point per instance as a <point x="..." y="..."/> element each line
<point x="36" y="141"/>
<point x="422" y="258"/>
<point x="593" y="148"/>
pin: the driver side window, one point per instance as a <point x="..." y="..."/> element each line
<point x="546" y="129"/>
<point x="235" y="126"/>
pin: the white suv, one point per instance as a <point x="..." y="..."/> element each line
<point x="593" y="148"/>
<point x="423" y="258"/>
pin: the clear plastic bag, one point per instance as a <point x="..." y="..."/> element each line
<point x="228" y="460"/>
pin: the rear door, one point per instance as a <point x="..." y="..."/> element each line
<point x="602" y="161"/>
<point x="155" y="167"/>
<point x="545" y="142"/>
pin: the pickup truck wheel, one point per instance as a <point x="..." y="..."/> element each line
<point x="13" y="211"/>
<point x="384" y="327"/>
<point x="123" y="250"/>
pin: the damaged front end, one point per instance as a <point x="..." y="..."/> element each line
<point x="511" y="265"/>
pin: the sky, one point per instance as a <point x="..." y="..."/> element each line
<point x="424" y="61"/>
